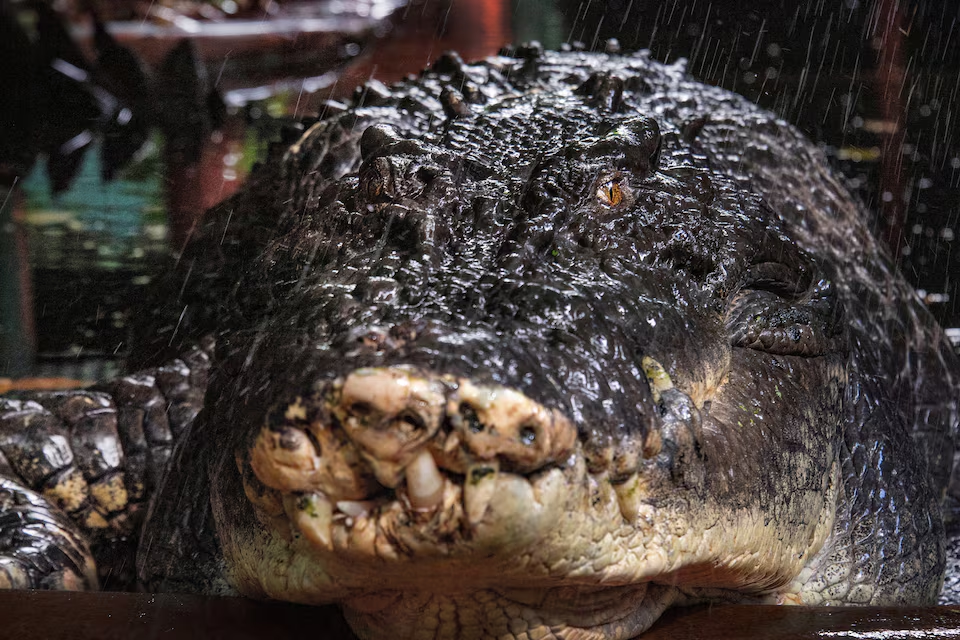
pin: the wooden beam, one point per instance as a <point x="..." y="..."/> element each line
<point x="32" y="615"/>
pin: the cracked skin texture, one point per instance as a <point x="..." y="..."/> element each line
<point x="539" y="346"/>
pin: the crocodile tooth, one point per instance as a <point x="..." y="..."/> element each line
<point x="424" y="482"/>
<point x="657" y="377"/>
<point x="629" y="498"/>
<point x="313" y="515"/>
<point x="355" y="508"/>
<point x="478" y="488"/>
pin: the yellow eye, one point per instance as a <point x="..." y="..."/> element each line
<point x="610" y="193"/>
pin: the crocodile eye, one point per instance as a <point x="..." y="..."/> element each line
<point x="764" y="320"/>
<point x="610" y="193"/>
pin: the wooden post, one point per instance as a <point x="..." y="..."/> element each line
<point x="17" y="332"/>
<point x="474" y="29"/>
<point x="889" y="42"/>
<point x="193" y="188"/>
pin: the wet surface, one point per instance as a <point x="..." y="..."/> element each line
<point x="95" y="249"/>
<point x="873" y="81"/>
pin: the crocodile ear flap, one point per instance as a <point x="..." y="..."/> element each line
<point x="453" y="103"/>
<point x="376" y="137"/>
<point x="633" y="145"/>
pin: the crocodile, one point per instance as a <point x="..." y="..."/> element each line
<point x="532" y="347"/>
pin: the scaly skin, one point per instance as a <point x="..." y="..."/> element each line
<point x="540" y="346"/>
<point x="94" y="457"/>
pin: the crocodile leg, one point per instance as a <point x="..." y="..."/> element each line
<point x="40" y="548"/>
<point x="77" y="469"/>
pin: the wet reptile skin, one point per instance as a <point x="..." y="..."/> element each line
<point x="534" y="347"/>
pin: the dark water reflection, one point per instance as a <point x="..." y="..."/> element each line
<point x="875" y="82"/>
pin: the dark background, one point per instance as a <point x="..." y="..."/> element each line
<point x="875" y="83"/>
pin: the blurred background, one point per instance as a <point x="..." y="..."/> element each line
<point x="123" y="120"/>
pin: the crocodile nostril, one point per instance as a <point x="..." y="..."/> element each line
<point x="410" y="422"/>
<point x="528" y="435"/>
<point x="503" y="424"/>
<point x="471" y="418"/>
<point x="389" y="413"/>
<point x="361" y="409"/>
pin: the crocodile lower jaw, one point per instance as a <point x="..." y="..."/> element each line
<point x="587" y="613"/>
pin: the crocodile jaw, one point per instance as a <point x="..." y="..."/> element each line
<point x="548" y="543"/>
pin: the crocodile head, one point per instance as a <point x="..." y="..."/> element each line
<point x="537" y="367"/>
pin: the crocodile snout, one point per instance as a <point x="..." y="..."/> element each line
<point x="387" y="435"/>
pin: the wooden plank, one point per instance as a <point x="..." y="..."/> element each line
<point x="35" y="615"/>
<point x="806" y="623"/>
<point x="41" y="384"/>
